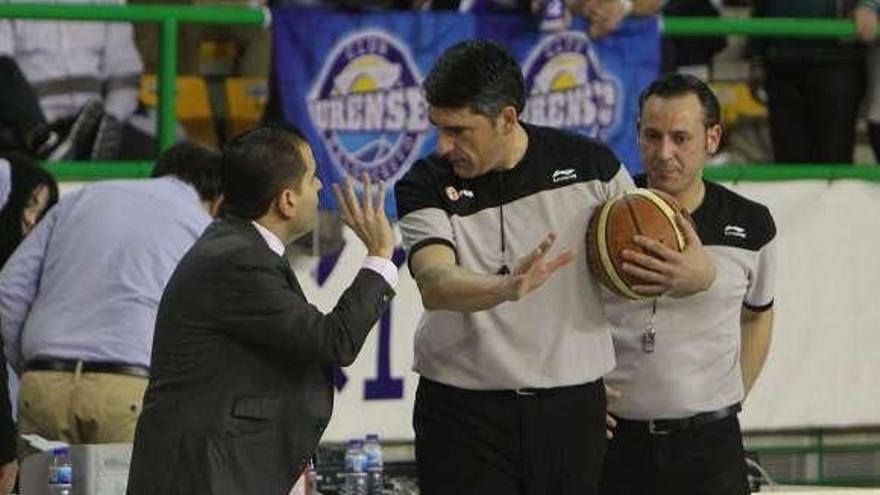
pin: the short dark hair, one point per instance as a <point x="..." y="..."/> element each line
<point x="257" y="164"/>
<point x="195" y="164"/>
<point x="675" y="84"/>
<point x="25" y="175"/>
<point x="480" y="75"/>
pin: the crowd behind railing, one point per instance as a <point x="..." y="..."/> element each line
<point x="76" y="90"/>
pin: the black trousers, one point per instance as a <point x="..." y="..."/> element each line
<point x="813" y="107"/>
<point x="702" y="460"/>
<point x="499" y="442"/>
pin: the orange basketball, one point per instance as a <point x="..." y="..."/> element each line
<point x="647" y="212"/>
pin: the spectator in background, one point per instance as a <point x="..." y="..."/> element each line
<point x="78" y="297"/>
<point x="26" y="192"/>
<point x="606" y="15"/>
<point x="691" y="54"/>
<point x="476" y="5"/>
<point x="29" y="192"/>
<point x="71" y="63"/>
<point x="24" y="129"/>
<point x="866" y="27"/>
<point x="814" y="86"/>
<point x="8" y="462"/>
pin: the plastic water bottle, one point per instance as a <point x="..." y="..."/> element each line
<point x="355" y="472"/>
<point x="554" y="16"/>
<point x="60" y="472"/>
<point x="375" y="465"/>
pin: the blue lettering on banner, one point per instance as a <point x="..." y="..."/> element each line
<point x="367" y="106"/>
<point x="384" y="385"/>
<point x="567" y="87"/>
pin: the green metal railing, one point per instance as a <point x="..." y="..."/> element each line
<point x="759" y="27"/>
<point x="812" y="451"/>
<point x="170" y="17"/>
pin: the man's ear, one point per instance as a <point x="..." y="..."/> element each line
<point x="713" y="138"/>
<point x="285" y="203"/>
<point x="508" y="118"/>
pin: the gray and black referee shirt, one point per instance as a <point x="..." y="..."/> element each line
<point x="555" y="336"/>
<point x="695" y="366"/>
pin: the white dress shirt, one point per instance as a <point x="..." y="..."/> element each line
<point x="382" y="266"/>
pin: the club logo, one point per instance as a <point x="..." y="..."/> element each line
<point x="368" y="108"/>
<point x="567" y="88"/>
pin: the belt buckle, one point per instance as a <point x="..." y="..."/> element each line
<point x="652" y="429"/>
<point x="522" y="392"/>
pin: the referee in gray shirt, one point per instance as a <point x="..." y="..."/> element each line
<point x="513" y="344"/>
<point x="685" y="365"/>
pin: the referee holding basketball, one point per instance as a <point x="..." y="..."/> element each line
<point x="513" y="343"/>
<point x="677" y="430"/>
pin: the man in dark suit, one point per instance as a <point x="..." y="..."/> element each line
<point x="241" y="374"/>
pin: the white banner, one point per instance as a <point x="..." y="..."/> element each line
<point x="825" y="354"/>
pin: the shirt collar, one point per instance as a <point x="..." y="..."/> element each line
<point x="271" y="239"/>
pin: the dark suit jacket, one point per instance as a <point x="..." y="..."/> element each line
<point x="241" y="374"/>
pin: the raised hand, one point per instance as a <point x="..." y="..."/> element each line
<point x="368" y="221"/>
<point x="668" y="272"/>
<point x="533" y="269"/>
<point x="605" y="16"/>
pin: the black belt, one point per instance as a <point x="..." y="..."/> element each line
<point x="519" y="392"/>
<point x="664" y="426"/>
<point x="87" y="367"/>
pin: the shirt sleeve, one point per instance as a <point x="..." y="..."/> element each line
<point x="20" y="283"/>
<point x="762" y="280"/>
<point x="423" y="216"/>
<point x="384" y="267"/>
<point x="620" y="183"/>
